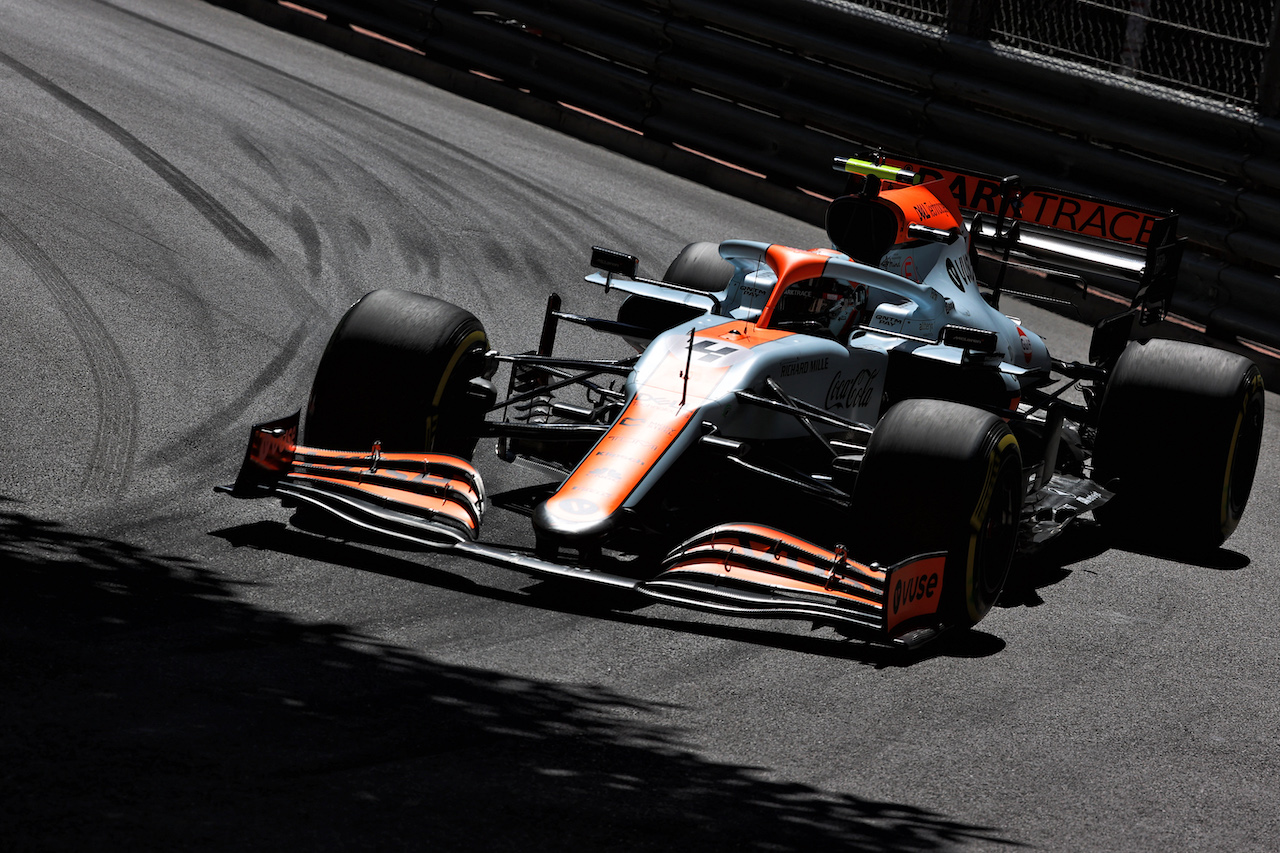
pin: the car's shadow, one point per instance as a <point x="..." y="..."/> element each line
<point x="1085" y="540"/>
<point x="365" y="553"/>
<point x="1031" y="573"/>
<point x="310" y="537"/>
<point x="1221" y="559"/>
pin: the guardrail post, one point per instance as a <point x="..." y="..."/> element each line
<point x="971" y="18"/>
<point x="1269" y="80"/>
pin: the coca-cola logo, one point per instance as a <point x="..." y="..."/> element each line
<point x="852" y="392"/>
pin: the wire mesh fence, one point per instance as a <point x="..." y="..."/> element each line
<point x="1213" y="49"/>
<point x="932" y="12"/>
<point x="1217" y="49"/>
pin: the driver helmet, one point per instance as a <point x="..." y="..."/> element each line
<point x="833" y="304"/>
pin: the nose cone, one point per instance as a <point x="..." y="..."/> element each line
<point x="571" y="519"/>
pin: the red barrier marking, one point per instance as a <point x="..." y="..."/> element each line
<point x="304" y="10"/>
<point x="371" y="34"/>
<point x="759" y="175"/>
<point x="598" y="117"/>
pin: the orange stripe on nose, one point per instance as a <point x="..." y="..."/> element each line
<point x="617" y="464"/>
<point x="676" y="386"/>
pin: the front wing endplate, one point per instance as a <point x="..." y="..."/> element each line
<point x="429" y="496"/>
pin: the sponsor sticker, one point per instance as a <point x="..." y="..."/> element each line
<point x="886" y="321"/>
<point x="799" y="367"/>
<point x="852" y="392"/>
<point x="273" y="450"/>
<point x="1026" y="344"/>
<point x="915" y="590"/>
<point x="960" y="271"/>
<point x="1053" y="210"/>
<point x="578" y="506"/>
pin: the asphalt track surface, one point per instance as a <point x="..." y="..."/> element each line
<point x="188" y="202"/>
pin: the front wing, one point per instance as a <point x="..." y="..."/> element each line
<point x="437" y="502"/>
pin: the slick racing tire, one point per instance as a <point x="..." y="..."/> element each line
<point x="942" y="476"/>
<point x="1179" y="435"/>
<point x="397" y="370"/>
<point x="700" y="267"/>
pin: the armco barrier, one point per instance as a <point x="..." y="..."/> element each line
<point x="778" y="88"/>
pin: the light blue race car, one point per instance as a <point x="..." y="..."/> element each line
<point x="854" y="435"/>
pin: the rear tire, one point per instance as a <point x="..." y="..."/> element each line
<point x="700" y="267"/>
<point x="1179" y="436"/>
<point x="941" y="476"/>
<point x="396" y="370"/>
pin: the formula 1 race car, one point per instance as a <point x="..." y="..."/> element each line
<point x="854" y="435"/>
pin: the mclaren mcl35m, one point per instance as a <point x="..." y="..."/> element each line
<point x="855" y="435"/>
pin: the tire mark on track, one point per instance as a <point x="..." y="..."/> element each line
<point x="205" y="204"/>
<point x="560" y="215"/>
<point x="210" y="431"/>
<point x="309" y="236"/>
<point x="116" y="438"/>
<point x="460" y="157"/>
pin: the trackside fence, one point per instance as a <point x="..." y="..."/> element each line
<point x="779" y="88"/>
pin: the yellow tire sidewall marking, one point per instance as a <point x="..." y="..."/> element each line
<point x="476" y="337"/>
<point x="979" y="518"/>
<point x="1226" y="523"/>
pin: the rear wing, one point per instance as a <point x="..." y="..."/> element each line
<point x="1053" y="230"/>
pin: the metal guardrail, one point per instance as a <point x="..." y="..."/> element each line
<point x="779" y="88"/>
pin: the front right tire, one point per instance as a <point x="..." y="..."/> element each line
<point x="942" y="476"/>
<point x="699" y="266"/>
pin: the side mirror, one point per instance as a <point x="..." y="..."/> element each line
<point x="614" y="262"/>
<point x="974" y="340"/>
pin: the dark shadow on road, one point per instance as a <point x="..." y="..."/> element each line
<point x="1086" y="540"/>
<point x="1220" y="559"/>
<point x="147" y="707"/>
<point x="1033" y="572"/>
